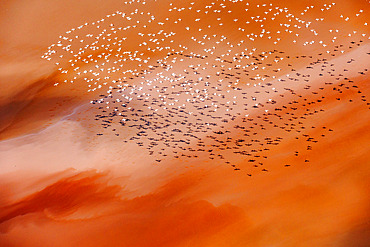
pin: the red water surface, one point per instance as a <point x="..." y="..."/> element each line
<point x="62" y="185"/>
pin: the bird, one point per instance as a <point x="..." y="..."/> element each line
<point x="184" y="84"/>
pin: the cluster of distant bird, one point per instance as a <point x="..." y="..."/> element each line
<point x="203" y="94"/>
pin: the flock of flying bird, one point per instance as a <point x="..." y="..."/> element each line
<point x="214" y="79"/>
